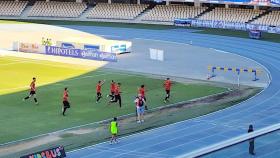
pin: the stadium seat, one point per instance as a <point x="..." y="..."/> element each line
<point x="57" y="9"/>
<point x="12" y="8"/>
<point x="169" y="13"/>
<point x="231" y="14"/>
<point x="116" y="11"/>
<point x="272" y="19"/>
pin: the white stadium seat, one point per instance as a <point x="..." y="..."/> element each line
<point x="12" y="8"/>
<point x="272" y="19"/>
<point x="116" y="11"/>
<point x="231" y="14"/>
<point x="57" y="9"/>
<point x="171" y="12"/>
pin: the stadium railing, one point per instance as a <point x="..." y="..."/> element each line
<point x="224" y="148"/>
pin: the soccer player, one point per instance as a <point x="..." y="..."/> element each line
<point x="43" y="42"/>
<point x="98" y="90"/>
<point x="112" y="90"/>
<point x="114" y="131"/>
<point x="117" y="94"/>
<point x="32" y="91"/>
<point x="140" y="102"/>
<point x="66" y="103"/>
<point x="141" y="91"/>
<point x="167" y="86"/>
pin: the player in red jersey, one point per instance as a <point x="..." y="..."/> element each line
<point x="112" y="90"/>
<point x="65" y="101"/>
<point x="98" y="90"/>
<point x="117" y="94"/>
<point x="32" y="91"/>
<point x="167" y="86"/>
<point x="142" y="91"/>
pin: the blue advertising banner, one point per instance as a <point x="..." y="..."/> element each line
<point x="183" y="21"/>
<point x="81" y="53"/>
<point x="67" y="45"/>
<point x="247" y="2"/>
<point x="57" y="152"/>
<point x="255" y="34"/>
<point x="95" y="47"/>
<point x="275" y="2"/>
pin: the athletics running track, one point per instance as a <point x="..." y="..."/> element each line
<point x="183" y="137"/>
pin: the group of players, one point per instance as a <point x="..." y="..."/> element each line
<point x="115" y="95"/>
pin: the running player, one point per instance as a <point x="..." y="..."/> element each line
<point x="141" y="91"/>
<point x="114" y="131"/>
<point x="98" y="90"/>
<point x="117" y="94"/>
<point x="112" y="90"/>
<point x="167" y="86"/>
<point x="32" y="91"/>
<point x="66" y="103"/>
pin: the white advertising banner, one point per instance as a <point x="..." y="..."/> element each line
<point x="30" y="47"/>
<point x="234" y="26"/>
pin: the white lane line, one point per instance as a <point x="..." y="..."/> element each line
<point x="149" y="138"/>
<point x="168" y="140"/>
<point x="120" y="151"/>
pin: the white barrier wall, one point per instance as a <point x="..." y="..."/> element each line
<point x="28" y="47"/>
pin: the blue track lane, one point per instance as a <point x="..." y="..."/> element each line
<point x="176" y="139"/>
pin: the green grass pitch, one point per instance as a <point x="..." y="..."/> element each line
<point x="20" y="119"/>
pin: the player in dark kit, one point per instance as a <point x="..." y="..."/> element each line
<point x="142" y="91"/>
<point x="167" y="86"/>
<point x="112" y="90"/>
<point x="98" y="90"/>
<point x="32" y="91"/>
<point x="65" y="102"/>
<point x="117" y="95"/>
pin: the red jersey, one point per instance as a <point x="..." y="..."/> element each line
<point x="112" y="87"/>
<point x="167" y="85"/>
<point x="98" y="88"/>
<point x="32" y="86"/>
<point x="117" y="90"/>
<point x="65" y="96"/>
<point x="142" y="91"/>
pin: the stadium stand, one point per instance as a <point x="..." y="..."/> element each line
<point x="169" y="13"/>
<point x="116" y="11"/>
<point x="12" y="8"/>
<point x="137" y="13"/>
<point x="231" y="14"/>
<point x="272" y="19"/>
<point x="57" y="9"/>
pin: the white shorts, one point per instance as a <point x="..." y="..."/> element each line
<point x="140" y="110"/>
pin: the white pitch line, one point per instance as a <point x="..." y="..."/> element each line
<point x="46" y="83"/>
<point x="32" y="61"/>
<point x="12" y="63"/>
